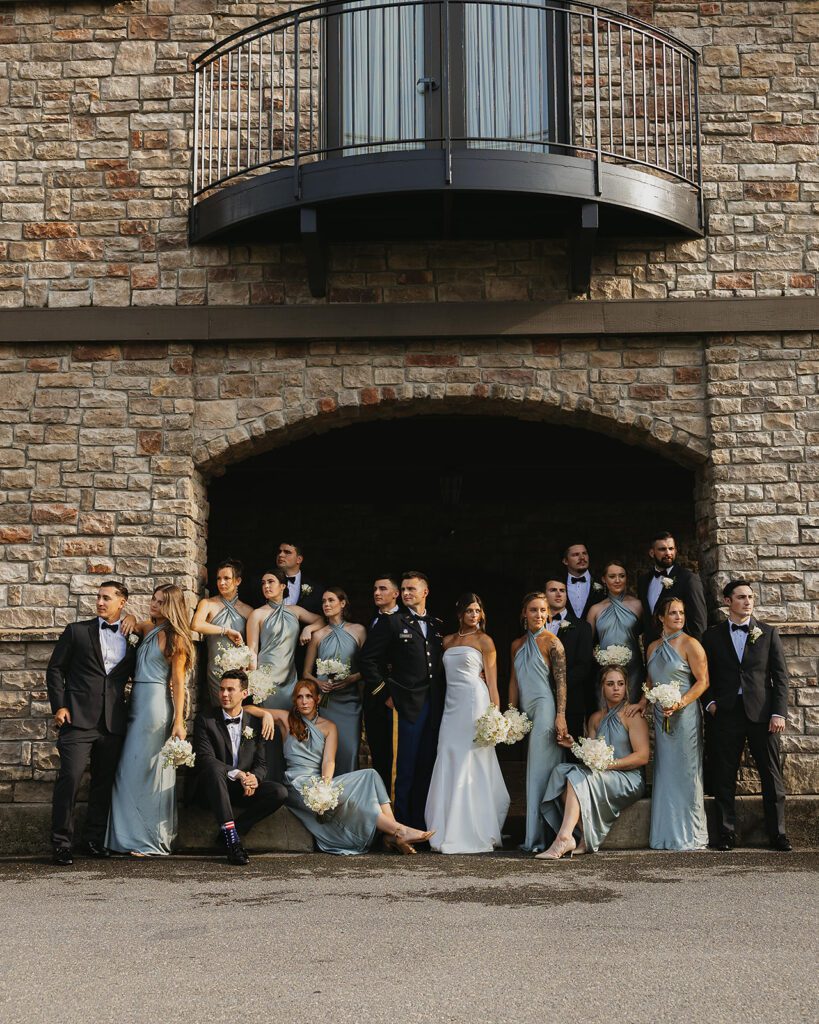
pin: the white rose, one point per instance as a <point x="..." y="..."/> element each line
<point x="667" y="582"/>
<point x="247" y="733"/>
<point x="755" y="634"/>
<point x="133" y="639"/>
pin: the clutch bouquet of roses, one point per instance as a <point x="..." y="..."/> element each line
<point x="260" y="684"/>
<point x="230" y="657"/>
<point x="321" y="795"/>
<point x="595" y="754"/>
<point x="491" y="728"/>
<point x="664" y="694"/>
<point x="519" y="725"/>
<point x="334" y="670"/>
<point x="616" y="654"/>
<point x="177" y="753"/>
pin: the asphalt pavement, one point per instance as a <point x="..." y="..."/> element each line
<point x="620" y="938"/>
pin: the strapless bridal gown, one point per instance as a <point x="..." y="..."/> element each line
<point x="467" y="800"/>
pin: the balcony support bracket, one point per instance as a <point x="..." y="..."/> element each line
<point x="581" y="247"/>
<point x="314" y="251"/>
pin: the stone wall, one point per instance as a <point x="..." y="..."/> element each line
<point x="96" y="130"/>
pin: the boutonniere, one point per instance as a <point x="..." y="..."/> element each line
<point x="565" y="624"/>
<point x="247" y="733"/>
<point x="754" y="635"/>
<point x="597" y="586"/>
<point x="133" y="639"/>
<point x="306" y="588"/>
<point x="667" y="582"/>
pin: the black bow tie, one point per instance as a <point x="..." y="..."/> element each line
<point x="113" y="627"/>
<point x="735" y="628"/>
<point x="291" y="579"/>
<point x="578" y="579"/>
<point x="420" y="618"/>
<point x="660" y="572"/>
<point x="233" y="721"/>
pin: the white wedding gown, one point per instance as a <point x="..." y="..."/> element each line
<point x="467" y="800"/>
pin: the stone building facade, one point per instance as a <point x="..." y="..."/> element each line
<point x="134" y="367"/>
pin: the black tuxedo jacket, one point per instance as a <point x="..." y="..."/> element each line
<point x="688" y="586"/>
<point x="762" y="674"/>
<point x="595" y="596"/>
<point x="579" y="647"/>
<point x="77" y="680"/>
<point x="399" y="662"/>
<point x="311" y="602"/>
<point x="211" y="742"/>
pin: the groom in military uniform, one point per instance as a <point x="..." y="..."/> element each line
<point x="401" y="662"/>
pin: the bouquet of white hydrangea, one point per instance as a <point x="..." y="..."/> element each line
<point x="519" y="725"/>
<point x="260" y="683"/>
<point x="595" y="754"/>
<point x="229" y="657"/>
<point x="177" y="753"/>
<point x="321" y="795"/>
<point x="616" y="654"/>
<point x="491" y="728"/>
<point x="664" y="694"/>
<point x="333" y="668"/>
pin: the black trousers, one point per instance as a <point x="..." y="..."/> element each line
<point x="727" y="735"/>
<point x="575" y="723"/>
<point x="76" y="748"/>
<point x="378" y="725"/>
<point x="224" y="797"/>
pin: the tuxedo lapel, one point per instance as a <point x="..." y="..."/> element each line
<point x="731" y="651"/>
<point x="94" y="637"/>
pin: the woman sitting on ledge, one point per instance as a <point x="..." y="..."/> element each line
<point x="577" y="797"/>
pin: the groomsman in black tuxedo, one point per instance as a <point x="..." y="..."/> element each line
<point x="576" y="636"/>
<point x="86" y="678"/>
<point x="403" y="653"/>
<point x="230" y="767"/>
<point x="671" y="580"/>
<point x="581" y="589"/>
<point x="747" y="700"/>
<point x="300" y="589"/>
<point x="378" y="705"/>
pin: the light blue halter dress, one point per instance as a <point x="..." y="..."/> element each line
<point x="343" y="706"/>
<point x="228" y="617"/>
<point x="618" y="625"/>
<point x="278" y="639"/>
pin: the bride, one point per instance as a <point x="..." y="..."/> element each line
<point x="467" y="801"/>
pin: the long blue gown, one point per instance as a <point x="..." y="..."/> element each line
<point x="618" y="625"/>
<point x="350" y="828"/>
<point x="544" y="755"/>
<point x="143" y="803"/>
<point x="677" y="800"/>
<point x="602" y="795"/>
<point x="226" y="616"/>
<point x="278" y="639"/>
<point x="343" y="706"/>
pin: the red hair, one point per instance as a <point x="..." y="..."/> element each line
<point x="295" y="722"/>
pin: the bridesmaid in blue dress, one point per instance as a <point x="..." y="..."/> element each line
<point x="310" y="742"/>
<point x="618" y="621"/>
<point x="340" y="701"/>
<point x="221" y="620"/>
<point x="142" y="821"/>
<point x="677" y="800"/>
<point x="537" y="658"/>
<point x="579" y="798"/>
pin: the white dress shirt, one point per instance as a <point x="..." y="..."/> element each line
<point x="421" y="625"/>
<point x="113" y="645"/>
<point x="655" y="588"/>
<point x="739" y="638"/>
<point x="235" y="733"/>
<point x="554" y="625"/>
<point x="578" y="592"/>
<point x="294" y="590"/>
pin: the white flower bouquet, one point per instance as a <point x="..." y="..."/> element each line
<point x="595" y="754"/>
<point x="260" y="684"/>
<point x="321" y="795"/>
<point x="230" y="657"/>
<point x="664" y="694"/>
<point x="333" y="668"/>
<point x="177" y="753"/>
<point x="519" y="725"/>
<point x="616" y="654"/>
<point x="491" y="728"/>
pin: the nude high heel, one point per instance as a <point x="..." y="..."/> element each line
<point x="558" y="849"/>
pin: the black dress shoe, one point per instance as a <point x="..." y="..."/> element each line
<point x="782" y="843"/>
<point x="237" y="854"/>
<point x="95" y="849"/>
<point x="725" y="841"/>
<point x="62" y="856"/>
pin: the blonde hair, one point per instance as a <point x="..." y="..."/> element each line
<point x="176" y="628"/>
<point x="533" y="596"/>
<point x="604" y="672"/>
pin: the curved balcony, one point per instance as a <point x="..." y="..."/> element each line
<point x="446" y="118"/>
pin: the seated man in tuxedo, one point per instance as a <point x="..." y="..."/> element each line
<point x="576" y="636"/>
<point x="230" y="766"/>
<point x="670" y="580"/>
<point x="378" y="705"/>
<point x="747" y="700"/>
<point x="582" y="590"/>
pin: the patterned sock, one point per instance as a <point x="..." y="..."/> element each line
<point x="230" y="833"/>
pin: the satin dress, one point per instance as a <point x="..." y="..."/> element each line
<point x="343" y="706"/>
<point x="143" y="803"/>
<point x="278" y="639"/>
<point x="228" y="617"/>
<point x="467" y="801"/>
<point x="618" y="625"/>
<point x="677" y="796"/>
<point x="602" y="795"/>
<point x="537" y="701"/>
<point x="351" y="827"/>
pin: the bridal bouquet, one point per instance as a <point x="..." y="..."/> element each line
<point x="519" y="725"/>
<point x="321" y="796"/>
<point x="177" y="753"/>
<point x="333" y="668"/>
<point x="491" y="728"/>
<point x="231" y="657"/>
<point x="595" y="754"/>
<point x="664" y="694"/>
<point x="616" y="654"/>
<point x="260" y="684"/>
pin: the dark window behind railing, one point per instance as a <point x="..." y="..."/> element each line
<point x="332" y="80"/>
